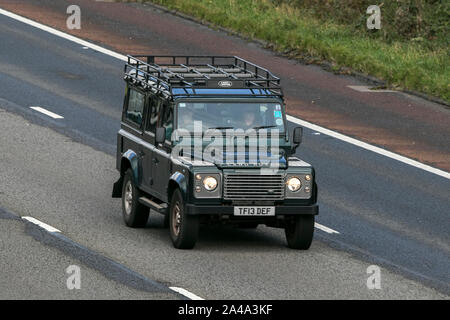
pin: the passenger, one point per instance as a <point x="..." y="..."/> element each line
<point x="186" y="120"/>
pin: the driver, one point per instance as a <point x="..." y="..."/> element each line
<point x="249" y="119"/>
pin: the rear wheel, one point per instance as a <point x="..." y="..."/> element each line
<point x="299" y="232"/>
<point x="183" y="227"/>
<point x="134" y="213"/>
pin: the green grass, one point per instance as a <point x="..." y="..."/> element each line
<point x="415" y="64"/>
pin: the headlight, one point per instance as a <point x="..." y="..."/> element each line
<point x="294" y="184"/>
<point x="210" y="183"/>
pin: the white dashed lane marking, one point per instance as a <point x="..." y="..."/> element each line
<point x="186" y="293"/>
<point x="326" y="229"/>
<point x="41" y="224"/>
<point x="47" y="113"/>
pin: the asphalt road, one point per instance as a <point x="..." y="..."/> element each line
<point x="67" y="185"/>
<point x="34" y="265"/>
<point x="386" y="212"/>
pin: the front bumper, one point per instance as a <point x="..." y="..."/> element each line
<point x="229" y="210"/>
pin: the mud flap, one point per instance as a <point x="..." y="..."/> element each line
<point x="117" y="188"/>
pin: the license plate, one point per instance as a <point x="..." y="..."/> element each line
<point x="254" y="211"/>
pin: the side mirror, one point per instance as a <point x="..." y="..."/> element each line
<point x="298" y="135"/>
<point x="160" y="135"/>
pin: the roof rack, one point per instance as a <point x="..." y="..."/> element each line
<point x="164" y="73"/>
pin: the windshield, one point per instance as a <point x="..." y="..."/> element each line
<point x="230" y="115"/>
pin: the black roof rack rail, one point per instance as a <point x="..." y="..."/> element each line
<point x="164" y="73"/>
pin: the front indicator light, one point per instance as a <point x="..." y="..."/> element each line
<point x="210" y="183"/>
<point x="294" y="184"/>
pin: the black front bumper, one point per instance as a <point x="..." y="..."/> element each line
<point x="229" y="210"/>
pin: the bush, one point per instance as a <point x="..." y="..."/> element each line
<point x="401" y="19"/>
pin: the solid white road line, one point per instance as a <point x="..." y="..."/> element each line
<point x="41" y="224"/>
<point x="186" y="293"/>
<point x="326" y="229"/>
<point x="62" y="35"/>
<point x="47" y="113"/>
<point x="290" y="118"/>
<point x="369" y="147"/>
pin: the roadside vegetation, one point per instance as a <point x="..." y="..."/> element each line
<point x="410" y="51"/>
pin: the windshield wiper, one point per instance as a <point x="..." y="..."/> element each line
<point x="221" y="128"/>
<point x="264" y="127"/>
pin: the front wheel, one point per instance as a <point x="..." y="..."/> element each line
<point x="299" y="232"/>
<point x="183" y="227"/>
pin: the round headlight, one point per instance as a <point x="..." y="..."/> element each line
<point x="210" y="183"/>
<point x="294" y="184"/>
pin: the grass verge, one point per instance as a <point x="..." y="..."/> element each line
<point x="414" y="64"/>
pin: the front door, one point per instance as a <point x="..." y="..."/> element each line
<point x="162" y="164"/>
<point x="151" y="122"/>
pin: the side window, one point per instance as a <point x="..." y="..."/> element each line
<point x="135" y="107"/>
<point x="155" y="106"/>
<point x="167" y="121"/>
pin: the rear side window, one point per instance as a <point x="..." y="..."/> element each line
<point x="135" y="109"/>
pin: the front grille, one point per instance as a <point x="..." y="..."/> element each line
<point x="253" y="187"/>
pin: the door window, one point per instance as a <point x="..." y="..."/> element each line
<point x="167" y="121"/>
<point x="152" y="121"/>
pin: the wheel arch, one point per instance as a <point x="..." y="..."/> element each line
<point x="129" y="160"/>
<point x="177" y="181"/>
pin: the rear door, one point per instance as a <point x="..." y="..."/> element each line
<point x="132" y="123"/>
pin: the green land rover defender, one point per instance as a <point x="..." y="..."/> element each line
<point x="204" y="140"/>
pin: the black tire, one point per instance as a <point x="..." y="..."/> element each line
<point x="135" y="214"/>
<point x="299" y="232"/>
<point x="248" y="225"/>
<point x="183" y="227"/>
